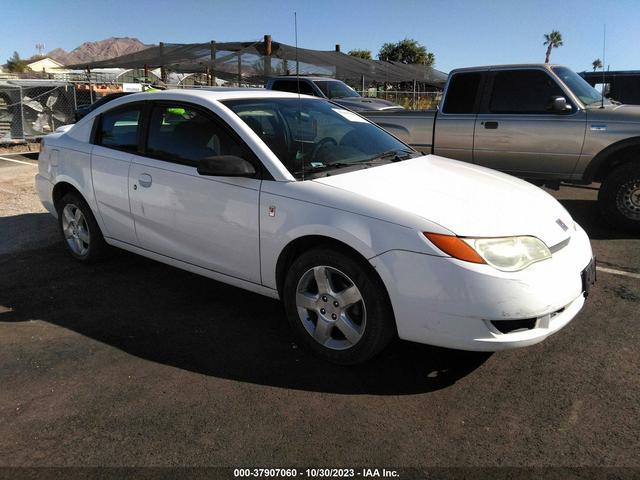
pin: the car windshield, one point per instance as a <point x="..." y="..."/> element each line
<point x="332" y="89"/>
<point x="314" y="137"/>
<point x="578" y="85"/>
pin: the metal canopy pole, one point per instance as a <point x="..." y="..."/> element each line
<point x="212" y="66"/>
<point x="267" y="58"/>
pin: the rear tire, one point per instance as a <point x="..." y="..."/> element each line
<point x="79" y="230"/>
<point x="338" y="307"/>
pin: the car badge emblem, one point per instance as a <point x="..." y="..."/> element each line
<point x="562" y="225"/>
<point x="272" y="211"/>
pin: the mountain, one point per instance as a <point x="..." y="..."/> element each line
<point x="101" y="50"/>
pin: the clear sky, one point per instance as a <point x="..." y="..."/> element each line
<point x="459" y="32"/>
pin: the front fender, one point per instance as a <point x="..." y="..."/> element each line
<point x="283" y="220"/>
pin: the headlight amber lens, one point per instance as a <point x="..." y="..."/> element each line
<point x="510" y="253"/>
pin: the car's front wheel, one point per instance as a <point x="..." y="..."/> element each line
<point x="338" y="306"/>
<point x="79" y="229"/>
<point x="619" y="197"/>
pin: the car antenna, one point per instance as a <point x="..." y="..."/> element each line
<point x="604" y="43"/>
<point x="295" y="26"/>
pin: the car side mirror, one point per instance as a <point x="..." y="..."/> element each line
<point x="226" y="166"/>
<point x="559" y="105"/>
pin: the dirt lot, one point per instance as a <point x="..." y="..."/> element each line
<point x="134" y="363"/>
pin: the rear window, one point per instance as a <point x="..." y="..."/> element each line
<point x="292" y="86"/>
<point x="462" y="93"/>
<point x="119" y="129"/>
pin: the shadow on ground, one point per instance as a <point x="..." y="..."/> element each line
<point x="176" y="318"/>
<point x="27" y="231"/>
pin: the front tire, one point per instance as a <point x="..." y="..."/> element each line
<point x="619" y="197"/>
<point x="79" y="230"/>
<point x="338" y="307"/>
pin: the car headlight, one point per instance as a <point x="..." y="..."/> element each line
<point x="508" y="254"/>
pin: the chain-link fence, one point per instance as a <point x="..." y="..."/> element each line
<point x="411" y="100"/>
<point x="28" y="112"/>
<point x="31" y="110"/>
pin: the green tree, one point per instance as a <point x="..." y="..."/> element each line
<point x="407" y="51"/>
<point x="366" y="54"/>
<point x="15" y="64"/>
<point x="552" y="40"/>
<point x="596" y="64"/>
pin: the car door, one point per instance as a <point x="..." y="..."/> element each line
<point x="115" y="140"/>
<point x="516" y="130"/>
<point x="211" y="222"/>
<point x="455" y="122"/>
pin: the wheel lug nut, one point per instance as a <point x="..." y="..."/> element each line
<point x="323" y="311"/>
<point x="336" y="304"/>
<point x="324" y="298"/>
<point x="334" y="316"/>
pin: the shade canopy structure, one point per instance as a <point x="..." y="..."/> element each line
<point x="254" y="62"/>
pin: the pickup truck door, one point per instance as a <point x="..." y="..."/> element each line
<point x="517" y="132"/>
<point x="456" y="119"/>
<point x="211" y="222"/>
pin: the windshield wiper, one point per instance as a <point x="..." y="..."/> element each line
<point x="392" y="155"/>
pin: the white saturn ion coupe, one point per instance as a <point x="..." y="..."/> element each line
<point x="297" y="198"/>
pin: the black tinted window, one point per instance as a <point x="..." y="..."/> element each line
<point x="523" y="91"/>
<point x="119" y="129"/>
<point x="292" y="86"/>
<point x="462" y="93"/>
<point x="182" y="134"/>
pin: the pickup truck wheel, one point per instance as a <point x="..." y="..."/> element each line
<point x="619" y="197"/>
<point x="79" y="229"/>
<point x="338" y="307"/>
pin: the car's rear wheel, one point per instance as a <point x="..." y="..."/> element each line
<point x="619" y="197"/>
<point x="79" y="229"/>
<point x="338" y="306"/>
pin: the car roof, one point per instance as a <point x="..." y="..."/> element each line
<point x="217" y="94"/>
<point x="546" y="66"/>
<point x="306" y="77"/>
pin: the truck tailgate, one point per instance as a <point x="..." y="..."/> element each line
<point x="412" y="127"/>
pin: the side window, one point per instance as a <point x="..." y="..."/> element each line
<point x="462" y="93"/>
<point x="180" y="134"/>
<point x="523" y="91"/>
<point x="119" y="129"/>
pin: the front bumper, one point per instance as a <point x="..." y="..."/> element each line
<point x="450" y="303"/>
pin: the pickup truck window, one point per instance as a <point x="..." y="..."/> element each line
<point x="119" y="129"/>
<point x="184" y="135"/>
<point x="523" y="91"/>
<point x="462" y="93"/>
<point x="292" y="87"/>
<point x="313" y="136"/>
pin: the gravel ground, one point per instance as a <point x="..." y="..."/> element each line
<point x="134" y="363"/>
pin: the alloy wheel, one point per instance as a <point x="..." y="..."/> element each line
<point x="75" y="229"/>
<point x="331" y="307"/>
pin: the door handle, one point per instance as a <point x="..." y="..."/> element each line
<point x="144" y="180"/>
<point x="490" y="125"/>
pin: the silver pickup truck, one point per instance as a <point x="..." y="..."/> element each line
<point x="540" y="122"/>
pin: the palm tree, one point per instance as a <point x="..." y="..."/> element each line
<point x="552" y="40"/>
<point x="596" y="64"/>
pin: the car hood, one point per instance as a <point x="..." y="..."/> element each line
<point x="364" y="103"/>
<point x="468" y="200"/>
